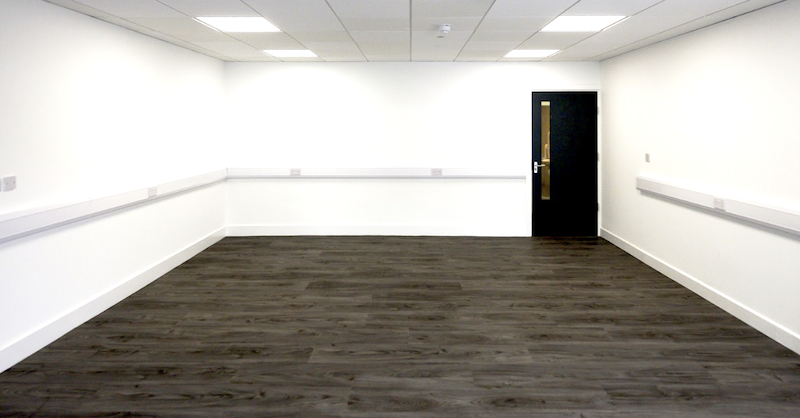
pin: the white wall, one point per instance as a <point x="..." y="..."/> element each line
<point x="717" y="110"/>
<point x="387" y="115"/>
<point x="89" y="109"/>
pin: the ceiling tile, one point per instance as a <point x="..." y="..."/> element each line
<point x="132" y="8"/>
<point x="315" y="59"/>
<point x="504" y="59"/>
<point x="343" y="58"/>
<point x="183" y="28"/>
<point x="371" y="8"/>
<point x="476" y="57"/>
<point x="298" y="15"/>
<point x="481" y="55"/>
<point x="498" y="36"/>
<point x="528" y="8"/>
<point x="610" y="7"/>
<point x="553" y="40"/>
<point x="449" y="8"/>
<point x="383" y="43"/>
<point x="514" y="24"/>
<point x="576" y="54"/>
<point x="197" y="8"/>
<point x="504" y="46"/>
<point x="376" y="24"/>
<point x="233" y="49"/>
<point x="269" y="40"/>
<point x="328" y="48"/>
<point x="328" y="36"/>
<point x="428" y="46"/>
<point x="456" y="23"/>
<point x="688" y="9"/>
<point x="389" y="58"/>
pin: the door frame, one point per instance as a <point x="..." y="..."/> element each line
<point x="529" y="176"/>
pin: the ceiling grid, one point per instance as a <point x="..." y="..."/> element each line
<point x="408" y="30"/>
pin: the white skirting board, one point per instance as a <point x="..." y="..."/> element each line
<point x="363" y="230"/>
<point x="38" y="339"/>
<point x="770" y="328"/>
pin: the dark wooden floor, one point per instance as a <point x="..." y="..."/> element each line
<point x="409" y="327"/>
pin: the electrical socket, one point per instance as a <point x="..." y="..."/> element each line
<point x="8" y="183"/>
<point x="152" y="192"/>
<point x="719" y="203"/>
<point x="436" y="171"/>
<point x="295" y="172"/>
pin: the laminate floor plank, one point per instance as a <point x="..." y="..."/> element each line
<point x="394" y="327"/>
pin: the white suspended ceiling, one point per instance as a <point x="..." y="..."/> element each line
<point x="408" y="30"/>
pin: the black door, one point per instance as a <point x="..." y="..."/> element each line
<point x="565" y="164"/>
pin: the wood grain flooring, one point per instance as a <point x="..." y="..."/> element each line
<point x="409" y="327"/>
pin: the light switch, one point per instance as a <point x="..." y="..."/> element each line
<point x="647" y="158"/>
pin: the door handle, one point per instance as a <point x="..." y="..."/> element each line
<point x="536" y="167"/>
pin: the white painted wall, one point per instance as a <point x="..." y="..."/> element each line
<point x="716" y="109"/>
<point x="387" y="115"/>
<point x="87" y="110"/>
<point x="377" y="207"/>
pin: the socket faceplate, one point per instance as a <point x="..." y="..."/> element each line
<point x="8" y="183"/>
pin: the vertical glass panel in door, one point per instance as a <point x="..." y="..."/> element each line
<point x="545" y="174"/>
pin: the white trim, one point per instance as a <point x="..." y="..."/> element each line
<point x="770" y="328"/>
<point x="783" y="219"/>
<point x="374" y="173"/>
<point x="362" y="230"/>
<point x="31" y="221"/>
<point x="105" y="204"/>
<point x="39" y="338"/>
<point x="667" y="189"/>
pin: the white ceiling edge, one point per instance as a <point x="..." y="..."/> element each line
<point x="109" y="18"/>
<point x="708" y="21"/>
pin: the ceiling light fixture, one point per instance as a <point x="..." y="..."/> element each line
<point x="290" y="53"/>
<point x="581" y="23"/>
<point x="238" y="24"/>
<point x="531" y="53"/>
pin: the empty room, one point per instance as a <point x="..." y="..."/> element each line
<point x="399" y="208"/>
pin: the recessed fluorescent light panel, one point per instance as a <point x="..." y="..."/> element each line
<point x="531" y="53"/>
<point x="290" y="53"/>
<point x="581" y="23"/>
<point x="239" y="24"/>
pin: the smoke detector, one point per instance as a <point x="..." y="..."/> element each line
<point x="444" y="28"/>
